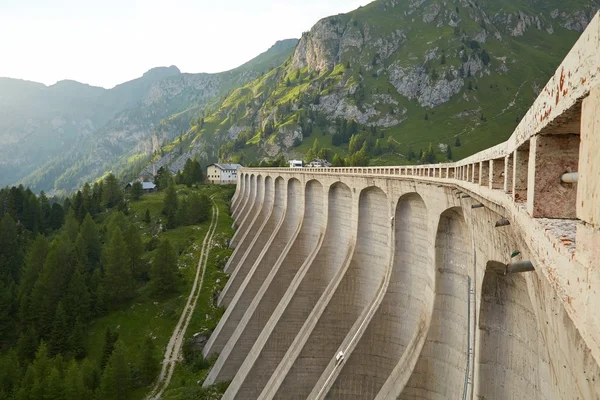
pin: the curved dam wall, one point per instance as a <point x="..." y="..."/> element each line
<point x="469" y="280"/>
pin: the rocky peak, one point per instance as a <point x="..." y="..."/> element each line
<point x="162" y="72"/>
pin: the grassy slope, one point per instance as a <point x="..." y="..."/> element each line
<point x="157" y="316"/>
<point x="502" y="98"/>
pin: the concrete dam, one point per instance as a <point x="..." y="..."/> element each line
<point x="478" y="279"/>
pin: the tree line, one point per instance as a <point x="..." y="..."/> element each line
<point x="63" y="264"/>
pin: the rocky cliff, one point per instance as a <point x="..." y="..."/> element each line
<point x="409" y="73"/>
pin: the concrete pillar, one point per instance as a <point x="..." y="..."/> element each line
<point x="520" y="172"/>
<point x="497" y="173"/>
<point x="588" y="186"/>
<point x="484" y="173"/>
<point x="508" y="173"/>
<point x="549" y="157"/>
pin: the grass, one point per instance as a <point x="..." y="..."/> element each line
<point x="186" y="381"/>
<point x="156" y="316"/>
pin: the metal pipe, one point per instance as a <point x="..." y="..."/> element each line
<point x="569" y="177"/>
<point x="477" y="205"/>
<point x="502" y="222"/>
<point x="466" y="384"/>
<point x="519" y="266"/>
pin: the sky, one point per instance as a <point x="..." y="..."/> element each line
<point x="107" y="42"/>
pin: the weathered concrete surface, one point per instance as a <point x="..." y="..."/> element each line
<point x="271" y="217"/>
<point x="248" y="213"/>
<point x="264" y="251"/>
<point x="392" y="269"/>
<point x="343" y="303"/>
<point x="408" y="299"/>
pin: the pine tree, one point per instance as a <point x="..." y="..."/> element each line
<point x="197" y="174"/>
<point x="149" y="364"/>
<point x="162" y="178"/>
<point x="457" y="142"/>
<point x="90" y="374"/>
<point x="77" y="299"/>
<point x="71" y="227"/>
<point x="74" y="385"/>
<point x="112" y="195"/>
<point x="170" y="205"/>
<point x="377" y="149"/>
<point x="188" y="173"/>
<point x="41" y="369"/>
<point x="54" y="387"/>
<point x="182" y="213"/>
<point x="61" y="331"/>
<point x="27" y="346"/>
<point x="164" y="267"/>
<point x="52" y="284"/>
<point x="428" y="157"/>
<point x="485" y="57"/>
<point x="448" y="152"/>
<point x="89" y="231"/>
<point x="137" y="190"/>
<point x="6" y="306"/>
<point x="135" y="249"/>
<point x="76" y="341"/>
<point x="337" y="161"/>
<point x="115" y="383"/>
<point x="11" y="257"/>
<point x="110" y="339"/>
<point x="44" y="213"/>
<point x="34" y="261"/>
<point x="117" y="274"/>
<point x="147" y="218"/>
<point x="57" y="216"/>
<point x="199" y="206"/>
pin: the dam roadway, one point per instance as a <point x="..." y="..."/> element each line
<point x="477" y="279"/>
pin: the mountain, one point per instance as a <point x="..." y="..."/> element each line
<point x="395" y="77"/>
<point x="58" y="137"/>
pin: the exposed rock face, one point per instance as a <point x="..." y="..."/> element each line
<point x="337" y="106"/>
<point x="414" y="83"/>
<point x="431" y="12"/>
<point x="319" y="49"/>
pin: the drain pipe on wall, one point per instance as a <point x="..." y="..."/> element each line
<point x="468" y="368"/>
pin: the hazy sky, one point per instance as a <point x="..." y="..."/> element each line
<point x="106" y="42"/>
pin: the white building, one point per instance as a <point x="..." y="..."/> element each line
<point x="222" y="174"/>
<point x="295" y="164"/>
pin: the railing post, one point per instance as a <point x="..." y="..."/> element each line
<point x="520" y="172"/>
<point x="588" y="186"/>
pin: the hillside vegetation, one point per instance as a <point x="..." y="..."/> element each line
<point x="91" y="289"/>
<point x="57" y="138"/>
<point x="393" y="82"/>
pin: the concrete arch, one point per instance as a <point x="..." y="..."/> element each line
<point x="239" y="194"/>
<point x="269" y="253"/>
<point x="347" y="297"/>
<point x="309" y="284"/>
<point x="269" y="220"/>
<point x="398" y="326"/>
<point x="513" y="359"/>
<point x="242" y="201"/>
<point x="252" y="222"/>
<point x="261" y="340"/>
<point x="249" y="210"/>
<point x="441" y="369"/>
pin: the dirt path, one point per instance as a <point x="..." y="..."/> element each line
<point x="173" y="351"/>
